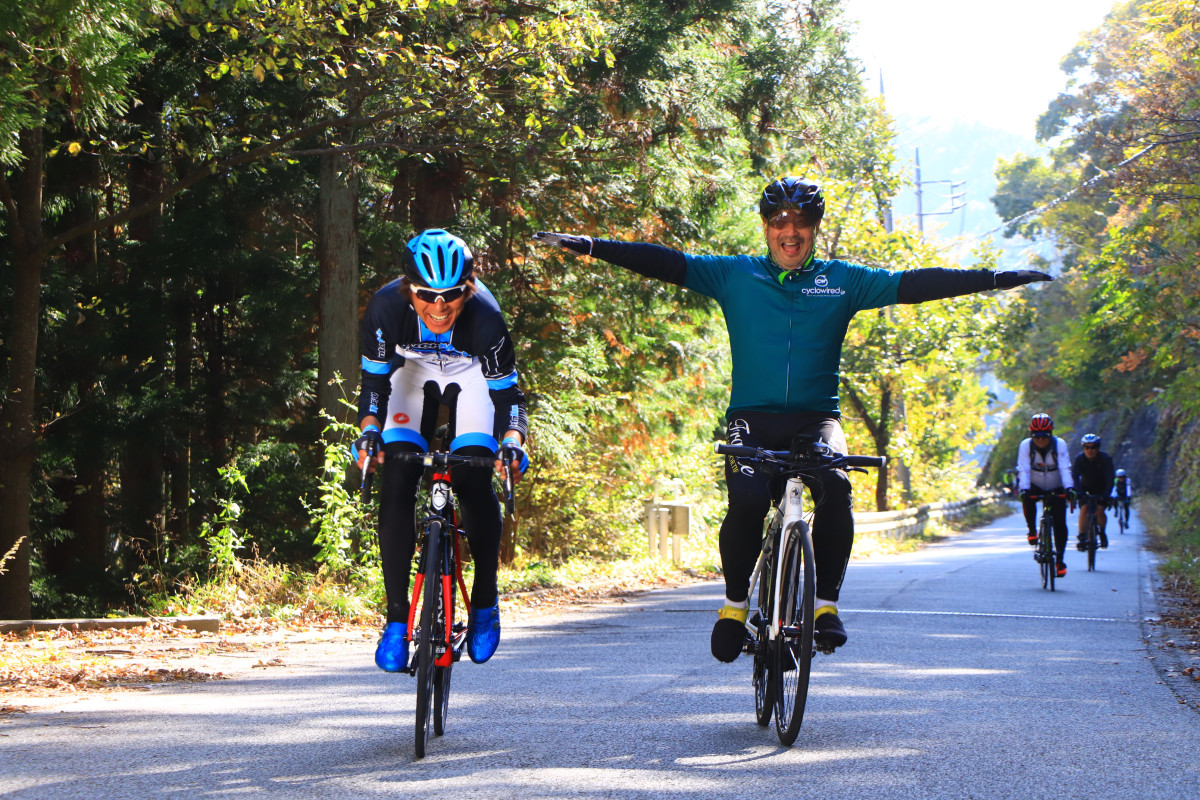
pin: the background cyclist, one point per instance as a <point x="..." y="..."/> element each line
<point x="1122" y="491"/>
<point x="1043" y="467"/>
<point x="787" y="312"/>
<point x="1094" y="474"/>
<point x="436" y="336"/>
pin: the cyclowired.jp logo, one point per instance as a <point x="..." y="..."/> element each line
<point x="822" y="288"/>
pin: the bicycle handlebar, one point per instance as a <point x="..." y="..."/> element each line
<point x="833" y="460"/>
<point x="443" y="459"/>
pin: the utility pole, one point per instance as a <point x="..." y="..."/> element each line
<point x="957" y="201"/>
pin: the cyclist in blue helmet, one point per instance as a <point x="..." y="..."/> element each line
<point x="436" y="336"/>
<point x="787" y="313"/>
<point x="1094" y="475"/>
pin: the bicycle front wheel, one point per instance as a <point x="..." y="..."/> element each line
<point x="427" y="634"/>
<point x="1049" y="559"/>
<point x="441" y="697"/>
<point x="1092" y="543"/>
<point x="794" y="645"/>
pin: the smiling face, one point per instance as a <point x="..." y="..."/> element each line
<point x="440" y="315"/>
<point x="790" y="238"/>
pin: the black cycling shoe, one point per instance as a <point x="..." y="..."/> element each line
<point x="728" y="637"/>
<point x="1104" y="541"/>
<point x="828" y="632"/>
<point x="1080" y="545"/>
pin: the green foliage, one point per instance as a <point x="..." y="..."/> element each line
<point x="1118" y="330"/>
<point x="910" y="384"/>
<point x="181" y="342"/>
<point x="222" y="534"/>
<point x="344" y="535"/>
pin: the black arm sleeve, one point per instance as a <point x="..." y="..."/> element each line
<point x="922" y="285"/>
<point x="651" y="260"/>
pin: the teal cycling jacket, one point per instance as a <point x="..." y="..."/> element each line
<point x="786" y="328"/>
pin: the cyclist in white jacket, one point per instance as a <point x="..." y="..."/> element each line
<point x="1044" y="473"/>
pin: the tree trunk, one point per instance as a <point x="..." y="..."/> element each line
<point x="337" y="332"/>
<point x="17" y="434"/>
<point x="78" y="563"/>
<point x="881" y="434"/>
<point x="143" y="463"/>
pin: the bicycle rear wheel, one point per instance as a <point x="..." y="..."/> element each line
<point x="794" y="645"/>
<point x="427" y="633"/>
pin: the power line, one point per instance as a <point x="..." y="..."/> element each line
<point x="1059" y="200"/>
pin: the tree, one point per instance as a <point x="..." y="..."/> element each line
<point x="66" y="65"/>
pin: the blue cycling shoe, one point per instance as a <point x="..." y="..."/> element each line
<point x="483" y="633"/>
<point x="392" y="653"/>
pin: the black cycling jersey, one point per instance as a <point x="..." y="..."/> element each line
<point x="1094" y="476"/>
<point x="391" y="327"/>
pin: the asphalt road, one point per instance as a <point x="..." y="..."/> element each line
<point x="963" y="678"/>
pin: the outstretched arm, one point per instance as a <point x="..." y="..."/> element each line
<point x="922" y="285"/>
<point x="652" y="260"/>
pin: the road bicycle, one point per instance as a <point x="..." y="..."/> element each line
<point x="1122" y="507"/>
<point x="437" y="629"/>
<point x="1091" y="536"/>
<point x="779" y="635"/>
<point x="1044" y="553"/>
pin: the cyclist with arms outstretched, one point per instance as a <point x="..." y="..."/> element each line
<point x="787" y="313"/>
<point x="1044" y="472"/>
<point x="436" y="336"/>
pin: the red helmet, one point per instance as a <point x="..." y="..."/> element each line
<point x="1041" y="423"/>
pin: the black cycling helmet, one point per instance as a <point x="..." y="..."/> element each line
<point x="437" y="260"/>
<point x="791" y="192"/>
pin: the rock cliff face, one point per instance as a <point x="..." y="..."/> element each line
<point x="1144" y="444"/>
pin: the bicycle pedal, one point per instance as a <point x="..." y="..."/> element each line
<point x="823" y="647"/>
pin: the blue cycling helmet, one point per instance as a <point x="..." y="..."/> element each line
<point x="1090" y="438"/>
<point x="437" y="259"/>
<point x="790" y="192"/>
<point x="1120" y="473"/>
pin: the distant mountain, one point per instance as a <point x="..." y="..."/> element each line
<point x="958" y="151"/>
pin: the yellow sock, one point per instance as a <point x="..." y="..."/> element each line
<point x="733" y="612"/>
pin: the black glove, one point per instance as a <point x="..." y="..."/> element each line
<point x="1024" y="495"/>
<point x="1071" y="497"/>
<point x="576" y="244"/>
<point x="369" y="442"/>
<point x="515" y="453"/>
<point x="1018" y="277"/>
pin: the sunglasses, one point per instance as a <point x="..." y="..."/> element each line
<point x="1091" y="447"/>
<point x="1041" y="436"/>
<point x="785" y="218"/>
<point x="445" y="295"/>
